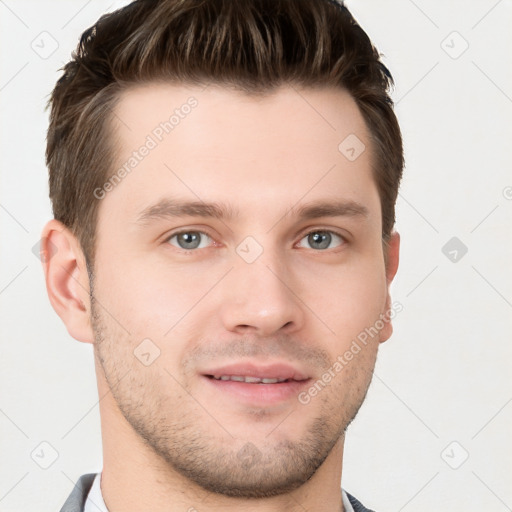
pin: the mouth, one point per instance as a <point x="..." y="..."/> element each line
<point x="257" y="385"/>
<point x="250" y="380"/>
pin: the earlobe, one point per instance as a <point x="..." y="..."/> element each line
<point x="392" y="260"/>
<point x="67" y="280"/>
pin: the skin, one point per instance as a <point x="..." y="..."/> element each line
<point x="169" y="436"/>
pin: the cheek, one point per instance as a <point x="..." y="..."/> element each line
<point x="155" y="300"/>
<point x="348" y="298"/>
<point x="132" y="297"/>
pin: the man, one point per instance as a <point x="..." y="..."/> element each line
<point x="223" y="178"/>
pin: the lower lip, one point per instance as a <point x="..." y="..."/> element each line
<point x="264" y="394"/>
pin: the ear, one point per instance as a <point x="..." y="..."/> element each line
<point x="391" y="259"/>
<point x="67" y="281"/>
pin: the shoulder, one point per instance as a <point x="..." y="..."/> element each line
<point x="77" y="498"/>
<point x="357" y="505"/>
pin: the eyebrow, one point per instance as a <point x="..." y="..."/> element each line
<point x="168" y="208"/>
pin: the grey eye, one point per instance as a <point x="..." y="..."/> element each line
<point x="322" y="239"/>
<point x="189" y="240"/>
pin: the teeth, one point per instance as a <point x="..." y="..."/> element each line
<point x="250" y="380"/>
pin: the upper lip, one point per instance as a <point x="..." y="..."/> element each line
<point x="263" y="371"/>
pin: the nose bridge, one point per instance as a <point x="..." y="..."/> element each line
<point x="259" y="294"/>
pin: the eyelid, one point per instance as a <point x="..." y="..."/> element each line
<point x="186" y="230"/>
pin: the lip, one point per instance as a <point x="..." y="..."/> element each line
<point x="256" y="394"/>
<point x="268" y="371"/>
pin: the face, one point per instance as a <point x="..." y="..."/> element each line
<point x="238" y="258"/>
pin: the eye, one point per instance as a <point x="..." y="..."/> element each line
<point x="322" y="239"/>
<point x="189" y="240"/>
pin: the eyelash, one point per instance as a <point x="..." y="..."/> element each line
<point x="187" y="251"/>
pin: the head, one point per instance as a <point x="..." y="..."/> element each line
<point x="223" y="178"/>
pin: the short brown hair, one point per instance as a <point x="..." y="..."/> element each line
<point x="251" y="45"/>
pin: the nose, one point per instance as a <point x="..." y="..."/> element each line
<point x="261" y="298"/>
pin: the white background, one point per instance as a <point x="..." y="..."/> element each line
<point x="442" y="389"/>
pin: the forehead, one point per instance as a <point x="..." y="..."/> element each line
<point x="211" y="143"/>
